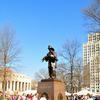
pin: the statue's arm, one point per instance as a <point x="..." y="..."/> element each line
<point x="45" y="58"/>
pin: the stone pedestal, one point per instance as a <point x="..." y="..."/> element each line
<point x="53" y="89"/>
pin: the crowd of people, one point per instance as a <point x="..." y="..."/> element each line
<point x="36" y="96"/>
<point x="86" y="97"/>
<point x="83" y="97"/>
<point x="22" y="97"/>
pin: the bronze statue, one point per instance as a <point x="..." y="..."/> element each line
<point x="51" y="58"/>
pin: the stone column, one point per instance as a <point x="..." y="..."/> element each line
<point x="23" y="86"/>
<point x="6" y="85"/>
<point x="13" y="85"/>
<point x="26" y="86"/>
<point x="0" y="85"/>
<point x="20" y="86"/>
<point x="17" y="85"/>
<point x="30" y="86"/>
<point x="10" y="85"/>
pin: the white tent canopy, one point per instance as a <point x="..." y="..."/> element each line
<point x="67" y="94"/>
<point x="96" y="94"/>
<point x="84" y="92"/>
<point x="30" y="92"/>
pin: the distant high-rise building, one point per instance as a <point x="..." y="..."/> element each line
<point x="91" y="62"/>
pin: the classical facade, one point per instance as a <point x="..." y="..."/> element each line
<point x="15" y="82"/>
<point x="91" y="62"/>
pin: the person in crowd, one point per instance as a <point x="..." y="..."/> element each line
<point x="75" y="97"/>
<point x="89" y="97"/>
<point x="31" y="96"/>
<point x="1" y="97"/>
<point x="43" y="98"/>
<point x="36" y="96"/>
<point x="23" y="96"/>
<point x="27" y="97"/>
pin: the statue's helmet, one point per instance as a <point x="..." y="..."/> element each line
<point x="51" y="48"/>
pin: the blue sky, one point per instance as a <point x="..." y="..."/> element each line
<point x="38" y="23"/>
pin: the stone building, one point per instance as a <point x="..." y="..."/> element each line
<point x="15" y="81"/>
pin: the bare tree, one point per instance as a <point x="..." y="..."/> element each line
<point x="92" y="12"/>
<point x="34" y="85"/>
<point x="63" y="73"/>
<point x="78" y="74"/>
<point x="70" y="53"/>
<point x="86" y="75"/>
<point x="41" y="74"/>
<point x="9" y="51"/>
